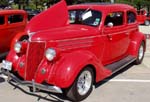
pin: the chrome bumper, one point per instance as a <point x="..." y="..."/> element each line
<point x="53" y="89"/>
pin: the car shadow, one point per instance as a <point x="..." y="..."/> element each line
<point x="53" y="97"/>
<point x="48" y="96"/>
<point x="113" y="75"/>
<point x="1" y="79"/>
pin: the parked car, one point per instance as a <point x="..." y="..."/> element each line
<point x="11" y="23"/>
<point x="69" y="57"/>
<point x="147" y="21"/>
<point x="143" y="17"/>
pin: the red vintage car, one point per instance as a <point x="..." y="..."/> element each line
<point x="11" y="23"/>
<point x="70" y="56"/>
<point x="143" y="17"/>
<point x="147" y="20"/>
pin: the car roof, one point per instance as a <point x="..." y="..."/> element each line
<point x="102" y="6"/>
<point x="12" y="12"/>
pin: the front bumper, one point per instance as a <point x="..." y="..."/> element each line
<point x="32" y="84"/>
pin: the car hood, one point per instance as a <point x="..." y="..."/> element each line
<point x="55" y="16"/>
<point x="66" y="32"/>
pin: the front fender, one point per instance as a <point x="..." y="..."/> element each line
<point x="17" y="38"/>
<point x="70" y="65"/>
<point x="13" y="57"/>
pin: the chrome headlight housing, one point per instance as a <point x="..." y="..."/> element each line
<point x="50" y="54"/>
<point x="17" y="47"/>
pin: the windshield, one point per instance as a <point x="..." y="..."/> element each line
<point x="85" y="17"/>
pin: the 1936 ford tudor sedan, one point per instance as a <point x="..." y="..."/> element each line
<point x="12" y="22"/>
<point x="68" y="49"/>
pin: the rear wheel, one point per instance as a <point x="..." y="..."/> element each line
<point x="147" y="22"/>
<point x="140" y="54"/>
<point x="82" y="86"/>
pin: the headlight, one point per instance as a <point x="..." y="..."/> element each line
<point x="17" y="47"/>
<point x="50" y="54"/>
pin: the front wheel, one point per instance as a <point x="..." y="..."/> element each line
<point x="82" y="86"/>
<point x="141" y="52"/>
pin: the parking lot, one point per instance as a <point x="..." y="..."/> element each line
<point x="132" y="84"/>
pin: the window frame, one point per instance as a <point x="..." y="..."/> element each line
<point x="135" y="19"/>
<point x="123" y="19"/>
<point x="15" y="22"/>
<point x="4" y="20"/>
<point x="86" y="11"/>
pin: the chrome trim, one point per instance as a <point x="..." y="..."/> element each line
<point x="141" y="52"/>
<point x="32" y="83"/>
<point x="84" y="82"/>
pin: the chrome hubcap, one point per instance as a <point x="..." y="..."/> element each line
<point x="147" y="22"/>
<point x="84" y="82"/>
<point x="141" y="52"/>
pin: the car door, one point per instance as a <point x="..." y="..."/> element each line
<point x="117" y="34"/>
<point x="15" y="23"/>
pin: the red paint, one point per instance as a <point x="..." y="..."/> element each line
<point x="55" y="16"/>
<point x="141" y="17"/>
<point x="9" y="30"/>
<point x="78" y="45"/>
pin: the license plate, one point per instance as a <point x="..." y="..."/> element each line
<point x="6" y="65"/>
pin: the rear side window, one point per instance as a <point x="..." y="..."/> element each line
<point x="116" y="18"/>
<point x="131" y="17"/>
<point x="2" y="20"/>
<point x="15" y="18"/>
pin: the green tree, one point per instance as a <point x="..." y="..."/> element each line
<point x="21" y="3"/>
<point x="4" y="2"/>
<point x="41" y="3"/>
<point x="139" y="4"/>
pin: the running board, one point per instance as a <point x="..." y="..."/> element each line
<point x="114" y="67"/>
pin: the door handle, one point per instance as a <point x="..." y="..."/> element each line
<point x="109" y="37"/>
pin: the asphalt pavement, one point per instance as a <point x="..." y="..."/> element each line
<point x="132" y="84"/>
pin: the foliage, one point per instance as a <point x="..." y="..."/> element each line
<point x="36" y="4"/>
<point x="139" y="4"/>
<point x="3" y="2"/>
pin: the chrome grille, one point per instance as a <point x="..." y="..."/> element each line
<point x="34" y="56"/>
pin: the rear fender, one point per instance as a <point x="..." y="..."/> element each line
<point x="70" y="65"/>
<point x="136" y="40"/>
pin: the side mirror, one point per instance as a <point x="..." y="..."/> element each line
<point x="110" y="24"/>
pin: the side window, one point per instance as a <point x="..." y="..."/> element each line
<point x="131" y="17"/>
<point x="15" y="18"/>
<point x="85" y="17"/>
<point x="2" y="20"/>
<point x="115" y="19"/>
